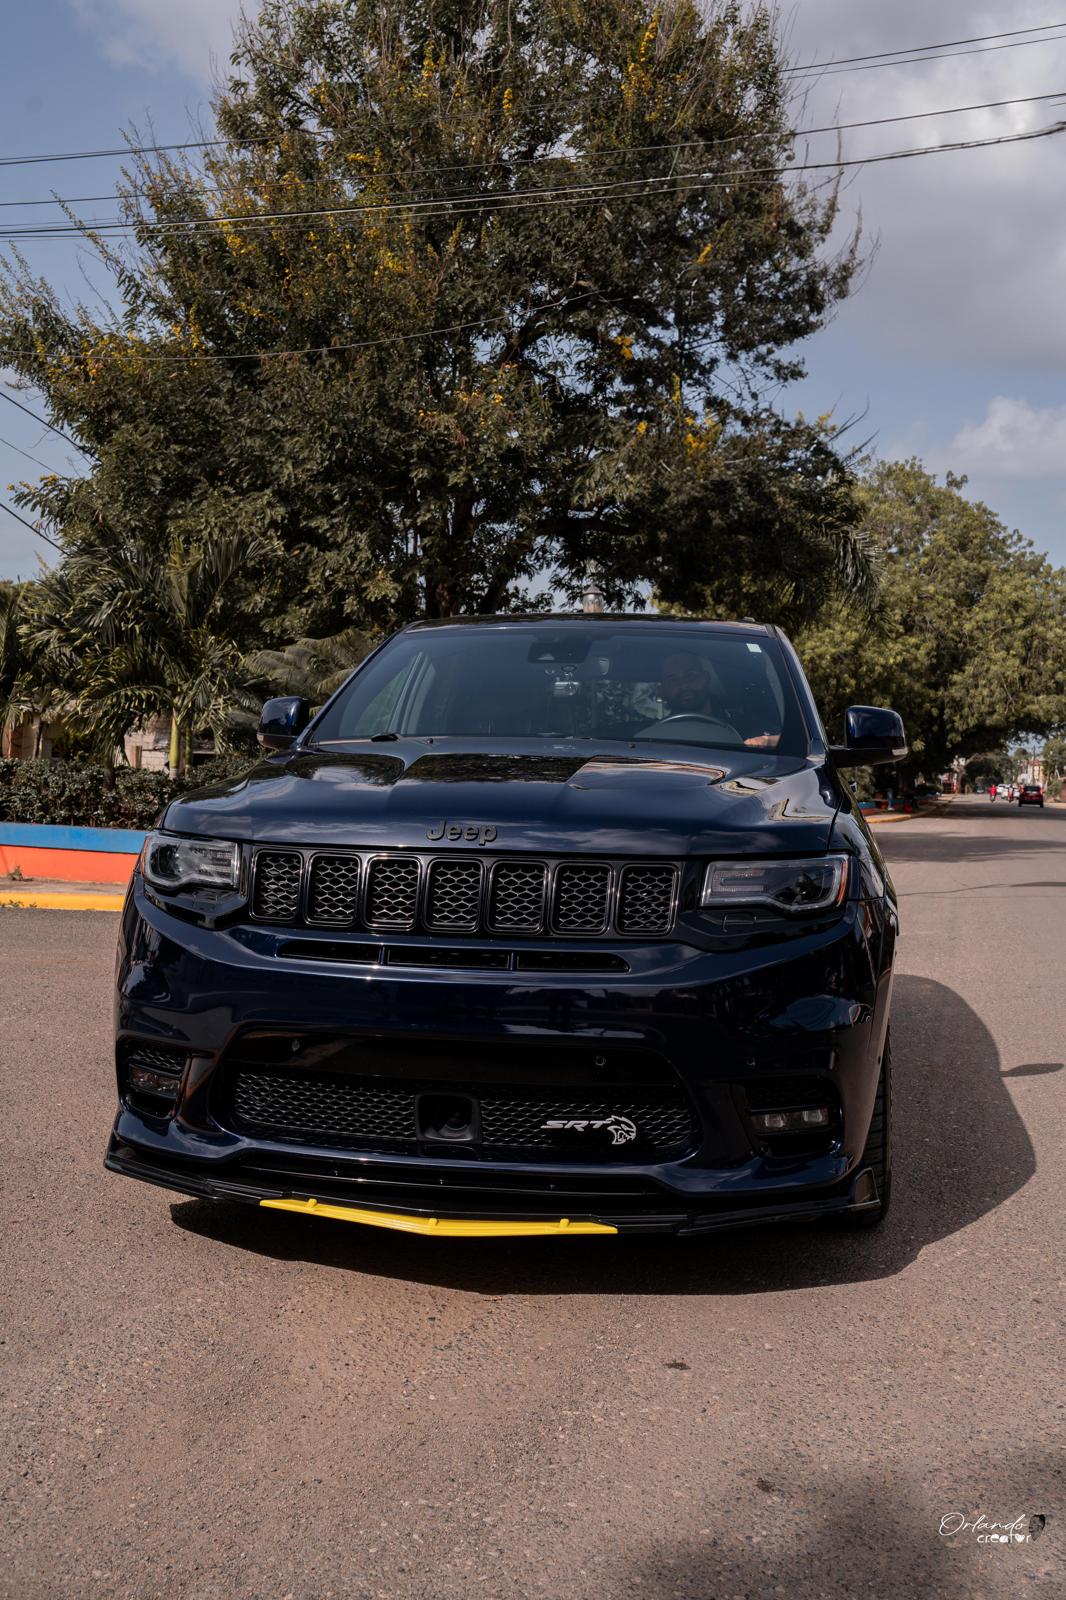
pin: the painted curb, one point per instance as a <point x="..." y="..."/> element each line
<point x="52" y="900"/>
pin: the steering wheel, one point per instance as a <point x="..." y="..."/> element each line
<point x="697" y="716"/>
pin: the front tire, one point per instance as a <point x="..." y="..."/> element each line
<point x="877" y="1151"/>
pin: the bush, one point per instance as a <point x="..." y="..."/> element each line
<point x="81" y="794"/>
<point x="86" y="794"/>
<point x="220" y="769"/>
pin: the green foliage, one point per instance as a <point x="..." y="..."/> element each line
<point x="81" y="794"/>
<point x="1054" y="754"/>
<point x="87" y="794"/>
<point x="968" y="639"/>
<point x="135" y="631"/>
<point x="518" y="381"/>
<point x="313" y="668"/>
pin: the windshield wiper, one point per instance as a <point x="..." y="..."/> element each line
<point x="379" y="738"/>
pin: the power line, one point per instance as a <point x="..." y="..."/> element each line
<point x="482" y="322"/>
<point x="514" y="200"/>
<point x="947" y="55"/>
<point x="12" y="446"/>
<point x="31" y="527"/>
<point x="941" y="44"/>
<point x="42" y="420"/>
<point x="620" y="154"/>
<point x="909" y="51"/>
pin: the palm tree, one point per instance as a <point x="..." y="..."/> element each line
<point x="313" y="668"/>
<point x="142" y="633"/>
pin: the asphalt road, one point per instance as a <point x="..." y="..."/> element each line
<point x="204" y="1401"/>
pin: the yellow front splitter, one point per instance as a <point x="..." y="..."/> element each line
<point x="439" y="1227"/>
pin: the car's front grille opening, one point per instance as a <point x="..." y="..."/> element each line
<point x="152" y="1074"/>
<point x="646" y="901"/>
<point x="581" y="899"/>
<point x="333" y="890"/>
<point x="432" y="955"/>
<point x="464" y="958"/>
<point x="568" y="961"/>
<point x="330" y="950"/>
<point x="454" y="895"/>
<point x="516" y="901"/>
<point x="408" y="891"/>
<point x="276" y="895"/>
<point x="373" y="1114"/>
<point x="392" y="892"/>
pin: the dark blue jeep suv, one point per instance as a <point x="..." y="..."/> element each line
<point x="541" y="925"/>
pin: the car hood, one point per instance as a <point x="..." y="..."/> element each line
<point x="646" y="799"/>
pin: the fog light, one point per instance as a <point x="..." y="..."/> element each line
<point x="146" y="1080"/>
<point x="791" y="1121"/>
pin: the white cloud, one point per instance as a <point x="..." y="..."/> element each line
<point x="191" y="34"/>
<point x="1014" y="440"/>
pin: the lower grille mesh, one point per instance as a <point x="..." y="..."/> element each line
<point x="333" y="1108"/>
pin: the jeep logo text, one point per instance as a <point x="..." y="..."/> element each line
<point x="472" y="832"/>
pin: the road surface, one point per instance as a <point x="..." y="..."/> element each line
<point x="209" y="1403"/>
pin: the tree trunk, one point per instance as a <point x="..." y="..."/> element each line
<point x="174" y="755"/>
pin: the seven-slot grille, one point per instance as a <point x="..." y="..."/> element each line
<point x="464" y="894"/>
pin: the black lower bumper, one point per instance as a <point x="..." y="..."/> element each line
<point x="650" y="1214"/>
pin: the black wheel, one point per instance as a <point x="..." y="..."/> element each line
<point x="877" y="1152"/>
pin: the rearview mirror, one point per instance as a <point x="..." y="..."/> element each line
<point x="281" y="720"/>
<point x="873" y="737"/>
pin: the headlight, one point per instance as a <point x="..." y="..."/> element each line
<point x="788" y="886"/>
<point x="171" y="862"/>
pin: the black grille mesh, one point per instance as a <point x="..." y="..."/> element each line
<point x="454" y="899"/>
<point x="516" y="1124"/>
<point x="333" y="890"/>
<point x="516" y="902"/>
<point x="157" y="1057"/>
<point x="332" y="1108"/>
<point x="282" y="1102"/>
<point x="465" y="894"/>
<point x="646" y="901"/>
<point x="392" y="892"/>
<point x="277" y="885"/>
<point x="581" y="898"/>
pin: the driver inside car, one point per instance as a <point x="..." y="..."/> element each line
<point x="691" y="688"/>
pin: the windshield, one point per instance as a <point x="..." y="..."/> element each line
<point x="538" y="681"/>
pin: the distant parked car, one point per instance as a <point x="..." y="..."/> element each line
<point x="1031" y="794"/>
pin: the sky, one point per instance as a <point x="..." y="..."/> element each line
<point x="952" y="347"/>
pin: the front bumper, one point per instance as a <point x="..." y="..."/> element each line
<point x="717" y="1020"/>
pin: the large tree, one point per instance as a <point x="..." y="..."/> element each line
<point x="968" y="638"/>
<point x="536" y="264"/>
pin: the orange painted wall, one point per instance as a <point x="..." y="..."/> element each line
<point x="67" y="866"/>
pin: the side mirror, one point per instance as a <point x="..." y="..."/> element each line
<point x="281" y="720"/>
<point x="873" y="737"/>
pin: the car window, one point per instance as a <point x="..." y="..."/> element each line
<point x="531" y="680"/>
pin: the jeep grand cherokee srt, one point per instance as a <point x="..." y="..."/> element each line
<point x="540" y="925"/>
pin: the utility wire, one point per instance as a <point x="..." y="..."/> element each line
<point x="31" y="527"/>
<point x="947" y="55"/>
<point x="941" y="44"/>
<point x="620" y="154"/>
<point x="513" y="200"/>
<point x="11" y="445"/>
<point x="910" y="52"/>
<point x="42" y="420"/>
<point x="482" y="322"/>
